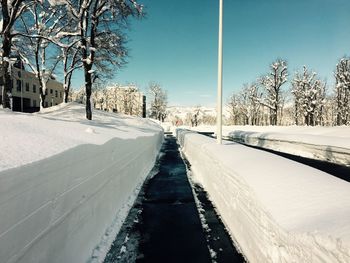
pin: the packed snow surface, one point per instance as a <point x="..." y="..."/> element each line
<point x="277" y="210"/>
<point x="28" y="138"/>
<point x="324" y="143"/>
<point x="66" y="183"/>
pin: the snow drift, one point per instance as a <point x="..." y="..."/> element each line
<point x="330" y="144"/>
<point x="63" y="180"/>
<point x="276" y="210"/>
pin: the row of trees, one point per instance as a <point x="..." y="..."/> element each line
<point x="158" y="102"/>
<point x="127" y="99"/>
<point x="268" y="102"/>
<point x="67" y="35"/>
<point x="114" y="98"/>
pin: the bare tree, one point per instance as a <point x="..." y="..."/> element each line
<point x="35" y="48"/>
<point x="11" y="11"/>
<point x="309" y="97"/>
<point x="196" y="116"/>
<point x="50" y="23"/>
<point x="127" y="100"/>
<point x="234" y="109"/>
<point x="273" y="85"/>
<point x="342" y="90"/>
<point x="250" y="103"/>
<point x="99" y="24"/>
<point x="70" y="54"/>
<point x="158" y="101"/>
<point x="245" y="108"/>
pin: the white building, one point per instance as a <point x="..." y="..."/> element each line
<point x="25" y="90"/>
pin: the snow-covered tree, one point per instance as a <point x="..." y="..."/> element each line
<point x="245" y="107"/>
<point x="234" y="110"/>
<point x="196" y="116"/>
<point x="250" y="103"/>
<point x="342" y="90"/>
<point x="71" y="62"/>
<point x="39" y="25"/>
<point x="78" y="95"/>
<point x="158" y="102"/>
<point x="99" y="25"/>
<point x="330" y="110"/>
<point x="131" y="101"/>
<point x="122" y="99"/>
<point x="10" y="11"/>
<point x="309" y="97"/>
<point x="99" y="96"/>
<point x="273" y="85"/>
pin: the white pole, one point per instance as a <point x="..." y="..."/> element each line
<point x="219" y="98"/>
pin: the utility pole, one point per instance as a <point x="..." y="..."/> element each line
<point x="219" y="96"/>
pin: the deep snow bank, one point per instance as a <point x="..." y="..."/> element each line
<point x="324" y="143"/>
<point x="277" y="210"/>
<point x="330" y="144"/>
<point x="72" y="179"/>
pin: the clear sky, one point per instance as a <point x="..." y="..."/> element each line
<point x="176" y="44"/>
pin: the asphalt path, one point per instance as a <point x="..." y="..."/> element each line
<point x="164" y="224"/>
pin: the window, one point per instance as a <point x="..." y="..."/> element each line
<point x="34" y="103"/>
<point x="1" y="81"/>
<point x="61" y="94"/>
<point x="34" y="88"/>
<point x="56" y="93"/>
<point x="19" y="74"/>
<point x="46" y="104"/>
<point x="27" y="86"/>
<point x="19" y="85"/>
<point x="51" y="91"/>
<point x="50" y="104"/>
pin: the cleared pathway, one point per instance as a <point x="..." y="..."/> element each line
<point x="164" y="225"/>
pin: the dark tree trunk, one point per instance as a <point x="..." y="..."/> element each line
<point x="275" y="112"/>
<point x="296" y="114"/>
<point x="66" y="94"/>
<point x="68" y="82"/>
<point x="88" y="87"/>
<point x="307" y="119"/>
<point x="9" y="14"/>
<point x="43" y="97"/>
<point x="273" y="116"/>
<point x="7" y="90"/>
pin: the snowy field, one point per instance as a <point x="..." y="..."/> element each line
<point x="323" y="143"/>
<point x="65" y="180"/>
<point x="278" y="210"/>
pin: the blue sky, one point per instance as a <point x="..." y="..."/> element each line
<point x="176" y="44"/>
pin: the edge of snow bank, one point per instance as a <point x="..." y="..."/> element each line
<point x="244" y="202"/>
<point x="58" y="209"/>
<point x="281" y="142"/>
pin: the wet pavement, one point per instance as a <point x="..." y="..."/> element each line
<point x="164" y="224"/>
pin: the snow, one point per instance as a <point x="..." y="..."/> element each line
<point x="277" y="210"/>
<point x="54" y="3"/>
<point x="59" y="128"/>
<point x="324" y="143"/>
<point x="64" y="181"/>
